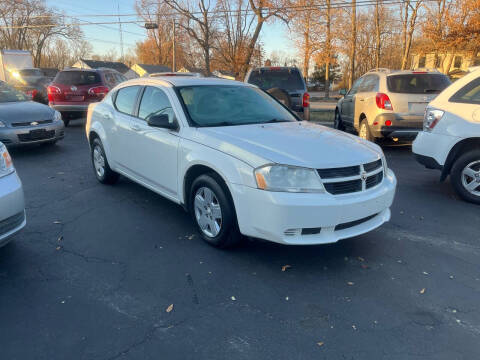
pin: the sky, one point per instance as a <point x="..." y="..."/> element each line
<point x="106" y="37"/>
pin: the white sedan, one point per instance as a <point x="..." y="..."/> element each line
<point x="239" y="161"/>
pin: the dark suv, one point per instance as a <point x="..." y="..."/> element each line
<point x="72" y="90"/>
<point x="286" y="84"/>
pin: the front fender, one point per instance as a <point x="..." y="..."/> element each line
<point x="230" y="169"/>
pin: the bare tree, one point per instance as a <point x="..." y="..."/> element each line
<point x="353" y="43"/>
<point x="408" y="28"/>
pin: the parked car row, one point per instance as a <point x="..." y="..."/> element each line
<point x="442" y="118"/>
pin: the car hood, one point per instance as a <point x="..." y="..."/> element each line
<point x="23" y="111"/>
<point x="292" y="143"/>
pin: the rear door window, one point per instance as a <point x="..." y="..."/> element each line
<point x="126" y="99"/>
<point x="77" y="78"/>
<point x="469" y="94"/>
<point x="369" y="84"/>
<point x="417" y="83"/>
<point x="286" y="79"/>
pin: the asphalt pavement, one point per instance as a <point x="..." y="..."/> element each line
<point x="97" y="268"/>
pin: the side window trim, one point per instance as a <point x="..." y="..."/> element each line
<point x="166" y="96"/>
<point x="457" y="97"/>
<point x="138" y="101"/>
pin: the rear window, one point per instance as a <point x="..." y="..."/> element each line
<point x="77" y="78"/>
<point x="285" y="79"/>
<point x="417" y="83"/>
<point x="469" y="94"/>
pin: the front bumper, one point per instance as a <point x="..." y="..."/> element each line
<point x="309" y="218"/>
<point x="403" y="126"/>
<point x="12" y="207"/>
<point x="22" y="135"/>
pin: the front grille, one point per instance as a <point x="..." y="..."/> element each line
<point x="29" y="123"/>
<point x="374" y="180"/>
<point x="372" y="166"/>
<point x="339" y="172"/>
<point x="351" y="179"/>
<point x="34" y="136"/>
<point x="11" y="223"/>
<point x="354" y="223"/>
<point x="343" y="187"/>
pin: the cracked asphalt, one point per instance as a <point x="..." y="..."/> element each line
<point x="97" y="266"/>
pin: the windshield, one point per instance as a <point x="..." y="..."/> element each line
<point x="224" y="105"/>
<point x="77" y="78"/>
<point x="9" y="94"/>
<point x="286" y="79"/>
<point x="417" y="83"/>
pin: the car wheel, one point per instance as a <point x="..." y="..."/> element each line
<point x="465" y="176"/>
<point x="338" y="124"/>
<point x="364" y="131"/>
<point x="213" y="212"/>
<point x="102" y="169"/>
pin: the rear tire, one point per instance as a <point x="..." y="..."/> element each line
<point x="465" y="176"/>
<point x="338" y="123"/>
<point x="101" y="168"/>
<point x="213" y="212"/>
<point x="364" y="131"/>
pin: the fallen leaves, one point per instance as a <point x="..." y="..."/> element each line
<point x="350" y="283"/>
<point x="233" y="298"/>
<point x="361" y="259"/>
<point x="57" y="222"/>
<point x="285" y="267"/>
<point x="169" y="308"/>
<point x="422" y="291"/>
<point x="320" y="343"/>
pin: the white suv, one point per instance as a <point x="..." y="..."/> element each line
<point x="450" y="140"/>
<point x="239" y="161"/>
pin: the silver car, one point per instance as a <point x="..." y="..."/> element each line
<point x="388" y="103"/>
<point x="12" y="204"/>
<point x="27" y="122"/>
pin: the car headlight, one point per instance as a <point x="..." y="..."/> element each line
<point x="288" y="178"/>
<point x="384" y="163"/>
<point x="2" y="124"/>
<point x="6" y="164"/>
<point x="57" y="116"/>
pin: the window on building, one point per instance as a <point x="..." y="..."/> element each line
<point x="438" y="61"/>
<point x="421" y="61"/>
<point x="457" y="62"/>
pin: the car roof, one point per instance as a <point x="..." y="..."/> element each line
<point x="171" y="81"/>
<point x="389" y="72"/>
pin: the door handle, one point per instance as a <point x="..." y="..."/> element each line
<point x="135" y="127"/>
<point x="361" y="99"/>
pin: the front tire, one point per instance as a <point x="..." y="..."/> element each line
<point x="465" y="176"/>
<point x="213" y="212"/>
<point x="103" y="172"/>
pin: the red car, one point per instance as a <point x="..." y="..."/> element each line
<point x="71" y="91"/>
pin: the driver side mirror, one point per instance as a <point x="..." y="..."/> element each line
<point x="162" y="121"/>
<point x="343" y="92"/>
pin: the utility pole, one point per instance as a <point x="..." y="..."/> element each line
<point x="174" y="65"/>
<point x="353" y="43"/>
<point x="121" y="33"/>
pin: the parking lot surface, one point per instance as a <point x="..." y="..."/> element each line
<point x="97" y="268"/>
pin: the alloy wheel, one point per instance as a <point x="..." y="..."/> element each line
<point x="471" y="178"/>
<point x="98" y="161"/>
<point x="208" y="212"/>
<point x="363" y="131"/>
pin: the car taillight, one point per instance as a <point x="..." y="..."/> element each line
<point x="383" y="101"/>
<point x="306" y="100"/>
<point x="98" y="91"/>
<point x="51" y="91"/>
<point x="431" y="119"/>
<point x="31" y="93"/>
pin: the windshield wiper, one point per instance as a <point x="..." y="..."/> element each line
<point x="431" y="90"/>
<point x="274" y="120"/>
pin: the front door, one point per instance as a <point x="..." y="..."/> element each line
<point x="348" y="104"/>
<point x="156" y="149"/>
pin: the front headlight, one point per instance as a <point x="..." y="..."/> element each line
<point x="288" y="178"/>
<point x="2" y="124"/>
<point x="6" y="164"/>
<point x="384" y="163"/>
<point x="57" y="116"/>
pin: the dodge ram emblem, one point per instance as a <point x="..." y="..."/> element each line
<point x="363" y="175"/>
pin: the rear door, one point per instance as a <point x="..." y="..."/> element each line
<point x="121" y="137"/>
<point x="467" y="104"/>
<point x="410" y="93"/>
<point x="365" y="97"/>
